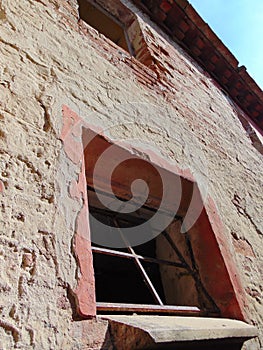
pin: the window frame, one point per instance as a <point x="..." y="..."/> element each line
<point x="130" y="24"/>
<point x="221" y="275"/>
<point x="161" y="306"/>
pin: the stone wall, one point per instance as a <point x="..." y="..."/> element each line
<point x="49" y="59"/>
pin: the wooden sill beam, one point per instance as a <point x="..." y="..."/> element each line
<point x="153" y="309"/>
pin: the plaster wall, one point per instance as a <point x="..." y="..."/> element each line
<point x="48" y="60"/>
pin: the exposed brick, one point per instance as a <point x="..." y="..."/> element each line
<point x="181" y="11"/>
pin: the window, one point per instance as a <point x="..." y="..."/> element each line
<point x="161" y="273"/>
<point x="105" y="23"/>
<point x="213" y="267"/>
<point x="116" y="22"/>
<point x="137" y="278"/>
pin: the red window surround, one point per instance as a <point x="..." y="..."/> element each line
<point x="215" y="262"/>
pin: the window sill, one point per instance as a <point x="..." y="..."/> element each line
<point x="149" y="309"/>
<point x="142" y="332"/>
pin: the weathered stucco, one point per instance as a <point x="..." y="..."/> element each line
<point x="49" y="60"/>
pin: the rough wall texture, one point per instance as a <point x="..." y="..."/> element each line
<point x="48" y="59"/>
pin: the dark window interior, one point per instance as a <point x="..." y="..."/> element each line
<point x="157" y="276"/>
<point x="119" y="280"/>
<point x="105" y="23"/>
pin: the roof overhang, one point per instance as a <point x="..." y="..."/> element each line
<point x="180" y="20"/>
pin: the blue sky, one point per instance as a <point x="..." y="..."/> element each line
<point x="239" y="24"/>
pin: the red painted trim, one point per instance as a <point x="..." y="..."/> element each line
<point x="2" y="187"/>
<point x="211" y="248"/>
<point x="72" y="142"/>
<point x="237" y="304"/>
<point x="216" y="265"/>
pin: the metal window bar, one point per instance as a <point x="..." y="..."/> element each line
<point x="138" y="258"/>
<point x="160" y="308"/>
<point x="192" y="270"/>
<point x="141" y="269"/>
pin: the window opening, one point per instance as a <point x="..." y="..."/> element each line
<point x="145" y="279"/>
<point x="214" y="279"/>
<point x="105" y="23"/>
